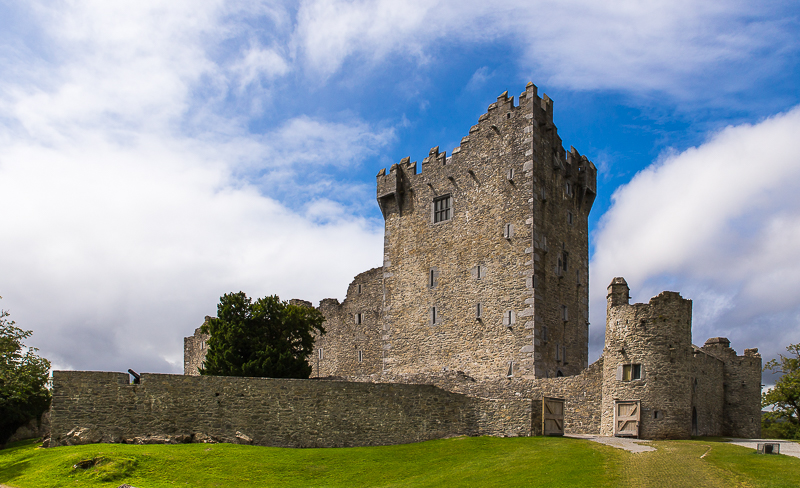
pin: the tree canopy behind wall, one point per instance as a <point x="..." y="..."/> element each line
<point x="268" y="337"/>
<point x="23" y="379"/>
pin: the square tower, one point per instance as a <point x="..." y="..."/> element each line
<point x="486" y="251"/>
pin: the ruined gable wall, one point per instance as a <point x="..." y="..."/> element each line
<point x="194" y="351"/>
<point x="345" y="337"/>
<point x="104" y="407"/>
<point x="511" y="162"/>
<point x="658" y="336"/>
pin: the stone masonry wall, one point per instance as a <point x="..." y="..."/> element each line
<point x="104" y="407"/>
<point x="581" y="392"/>
<point x="351" y="344"/>
<point x="194" y="351"/>
<point x="499" y="287"/>
<point x="707" y="393"/>
<point x="741" y="388"/>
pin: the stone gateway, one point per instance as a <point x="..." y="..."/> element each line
<point x="476" y="323"/>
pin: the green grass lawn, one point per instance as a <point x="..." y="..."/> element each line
<point x="462" y="461"/>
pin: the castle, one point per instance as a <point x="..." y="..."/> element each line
<point x="476" y="323"/>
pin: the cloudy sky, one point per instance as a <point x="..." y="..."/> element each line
<point x="155" y="155"/>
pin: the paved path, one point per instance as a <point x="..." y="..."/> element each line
<point x="632" y="445"/>
<point x="789" y="448"/>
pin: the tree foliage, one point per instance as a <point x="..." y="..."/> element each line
<point x="23" y="379"/>
<point x="784" y="398"/>
<point x="267" y="338"/>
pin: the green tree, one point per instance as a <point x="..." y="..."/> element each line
<point x="267" y="338"/>
<point x="23" y="379"/>
<point x="784" y="398"/>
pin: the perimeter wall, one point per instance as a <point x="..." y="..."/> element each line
<point x="93" y="407"/>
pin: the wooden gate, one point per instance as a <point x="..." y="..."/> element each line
<point x="552" y="416"/>
<point x="626" y="418"/>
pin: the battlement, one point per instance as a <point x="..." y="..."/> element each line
<point x="525" y="131"/>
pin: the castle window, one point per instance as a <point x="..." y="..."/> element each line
<point x="568" y="188"/>
<point x="433" y="277"/>
<point x="544" y="333"/>
<point x="629" y="372"/>
<point x="509" y="318"/>
<point x="510" y="372"/>
<point x="534" y="279"/>
<point x="564" y="313"/>
<point x="479" y="310"/>
<point x="360" y="356"/>
<point x="435" y="316"/>
<point x="359" y="289"/>
<point x="508" y="231"/>
<point x="319" y="352"/>
<point x="441" y="209"/>
<point x="359" y="318"/>
<point x="569" y="218"/>
<point x="478" y="272"/>
<point x="510" y="174"/>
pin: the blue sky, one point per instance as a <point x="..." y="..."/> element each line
<point x="154" y="156"/>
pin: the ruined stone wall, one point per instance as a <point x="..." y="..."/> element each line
<point x="657" y="336"/>
<point x="741" y="388"/>
<point x="351" y="344"/>
<point x="708" y="398"/>
<point x="194" y="351"/>
<point x="104" y="407"/>
<point x="476" y="291"/>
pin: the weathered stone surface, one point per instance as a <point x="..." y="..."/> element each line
<point x="93" y="407"/>
<point x="683" y="390"/>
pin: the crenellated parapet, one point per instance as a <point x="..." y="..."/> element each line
<point x="528" y="125"/>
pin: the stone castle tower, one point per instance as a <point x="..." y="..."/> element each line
<point x="486" y="251"/>
<point x="484" y="290"/>
<point x="486" y="260"/>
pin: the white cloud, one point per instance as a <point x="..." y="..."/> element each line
<point x="665" y="45"/>
<point x="720" y="223"/>
<point x="131" y="205"/>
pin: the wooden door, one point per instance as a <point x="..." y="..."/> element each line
<point x="626" y="418"/>
<point x="552" y="416"/>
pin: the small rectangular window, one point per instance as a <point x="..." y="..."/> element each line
<point x="441" y="209"/>
<point x="359" y="289"/>
<point x="433" y="277"/>
<point x="568" y="188"/>
<point x="631" y="372"/>
<point x="510" y="372"/>
<point x="565" y="260"/>
<point x="435" y="316"/>
<point x="508" y="231"/>
<point x="510" y="174"/>
<point x="359" y="319"/>
<point x="360" y="356"/>
<point x="320" y="353"/>
<point x="544" y="333"/>
<point x="479" y="311"/>
<point x="569" y="218"/>
<point x="480" y="271"/>
<point x="564" y="313"/>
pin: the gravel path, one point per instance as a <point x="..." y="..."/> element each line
<point x="788" y="448"/>
<point x="632" y="445"/>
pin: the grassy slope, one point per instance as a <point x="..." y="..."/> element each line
<point x="477" y="461"/>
